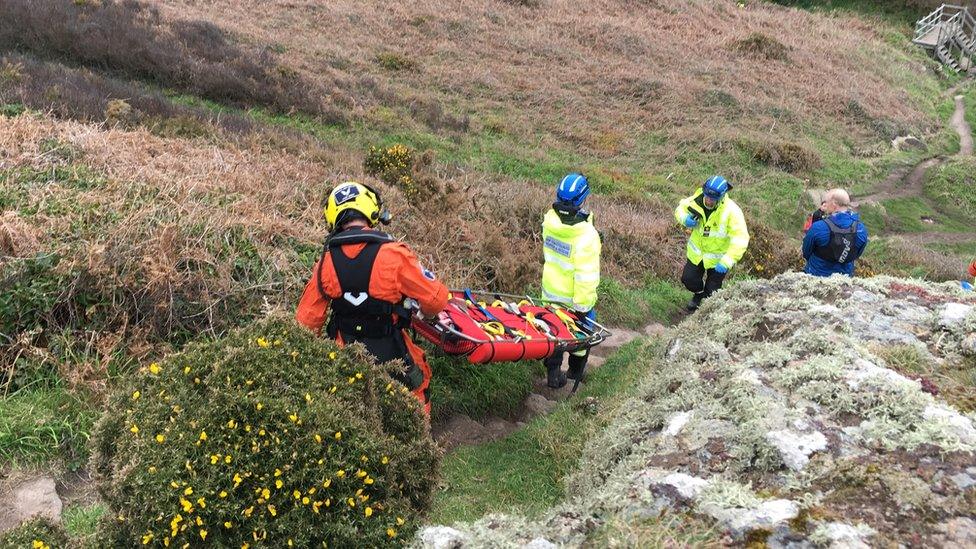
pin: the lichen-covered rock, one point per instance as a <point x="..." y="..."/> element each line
<point x="795" y="447"/>
<point x="800" y="411"/>
<point x="442" y="537"/>
<point x="838" y="535"/>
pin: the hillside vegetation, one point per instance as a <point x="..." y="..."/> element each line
<point x="163" y="166"/>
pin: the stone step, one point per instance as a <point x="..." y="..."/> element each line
<point x="29" y="498"/>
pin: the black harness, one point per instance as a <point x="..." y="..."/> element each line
<point x="840" y="246"/>
<point x="358" y="316"/>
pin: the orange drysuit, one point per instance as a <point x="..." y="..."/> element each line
<point x="395" y="274"/>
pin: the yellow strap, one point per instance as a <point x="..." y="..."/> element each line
<point x="567" y="320"/>
<point x="493" y="328"/>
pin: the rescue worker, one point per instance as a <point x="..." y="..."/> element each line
<point x="817" y="215"/>
<point x="966" y="285"/>
<point x="719" y="237"/>
<point x="833" y="244"/>
<point x="365" y="275"/>
<point x="571" y="272"/>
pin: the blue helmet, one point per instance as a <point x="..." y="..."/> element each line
<point x="715" y="187"/>
<point x="573" y="189"/>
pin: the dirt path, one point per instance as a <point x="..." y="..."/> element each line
<point x="909" y="183"/>
<point x="903" y="183"/>
<point x="461" y="430"/>
<point x="958" y="123"/>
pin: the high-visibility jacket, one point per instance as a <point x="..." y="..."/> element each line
<point x="395" y="274"/>
<point x="571" y="272"/>
<point x="721" y="234"/>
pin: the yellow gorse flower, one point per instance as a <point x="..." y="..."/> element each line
<point x="154" y="368"/>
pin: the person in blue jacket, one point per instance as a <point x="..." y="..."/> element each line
<point x="833" y="244"/>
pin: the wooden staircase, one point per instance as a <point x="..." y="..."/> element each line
<point x="949" y="33"/>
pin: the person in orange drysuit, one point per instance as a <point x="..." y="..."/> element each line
<point x="365" y="276"/>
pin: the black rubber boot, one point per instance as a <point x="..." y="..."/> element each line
<point x="577" y="366"/>
<point x="555" y="378"/>
<point x="694" y="303"/>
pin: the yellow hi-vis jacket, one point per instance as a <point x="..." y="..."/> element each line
<point x="722" y="238"/>
<point x="571" y="272"/>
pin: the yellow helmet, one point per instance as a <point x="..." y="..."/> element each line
<point x="353" y="196"/>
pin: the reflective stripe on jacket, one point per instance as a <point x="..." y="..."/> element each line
<point x="571" y="272"/>
<point x="722" y="237"/>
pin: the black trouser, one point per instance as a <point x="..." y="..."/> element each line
<point x="576" y="363"/>
<point x="701" y="281"/>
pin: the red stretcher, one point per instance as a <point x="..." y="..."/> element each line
<point x="497" y="327"/>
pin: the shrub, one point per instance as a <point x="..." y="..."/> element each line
<point x="766" y="256"/>
<point x="38" y="533"/>
<point x="389" y="164"/>
<point x="393" y="61"/>
<point x="399" y="166"/>
<point x="787" y="156"/>
<point x="269" y="435"/>
<point x="762" y="46"/>
<point x="29" y="290"/>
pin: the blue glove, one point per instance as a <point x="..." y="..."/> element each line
<point x="966" y="285"/>
<point x="721" y="268"/>
<point x="591" y="315"/>
<point x="690" y="221"/>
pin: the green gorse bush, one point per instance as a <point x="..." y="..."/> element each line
<point x="269" y="437"/>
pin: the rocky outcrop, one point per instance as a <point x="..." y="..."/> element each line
<point x="795" y="411"/>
